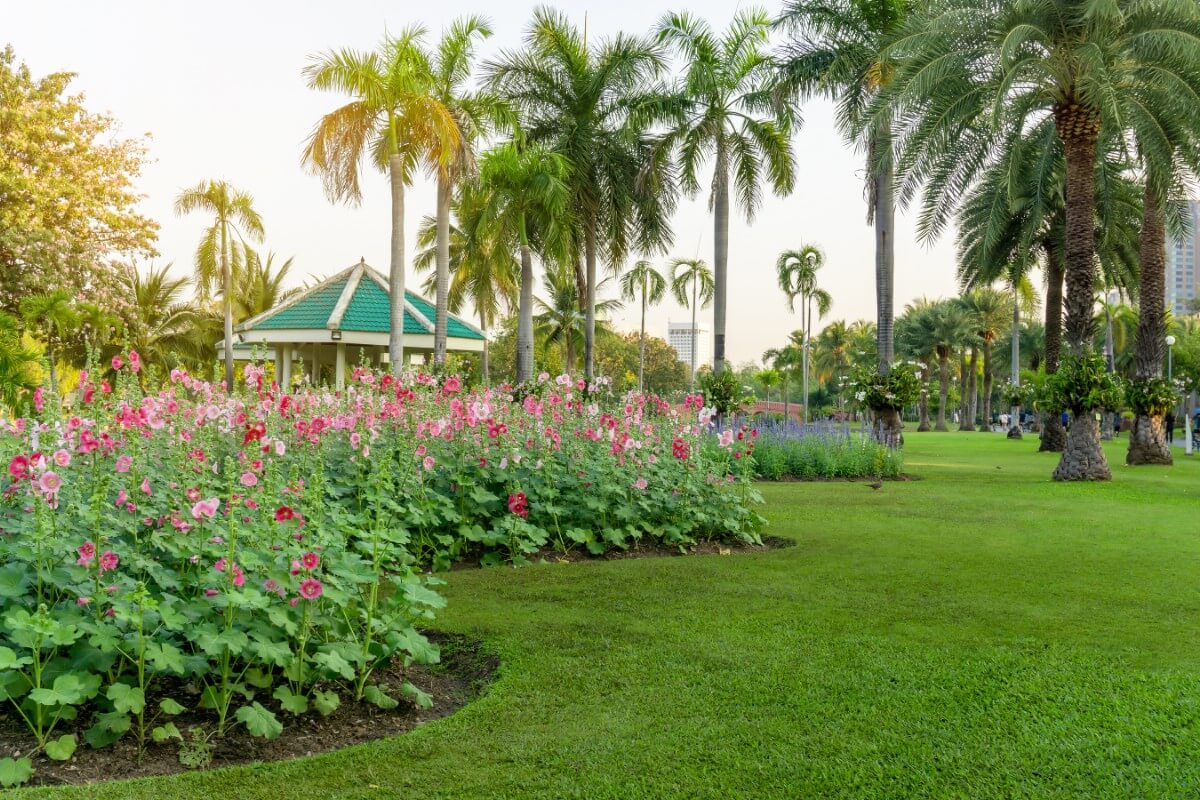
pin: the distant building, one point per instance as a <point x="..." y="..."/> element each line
<point x="680" y="336"/>
<point x="1181" y="267"/>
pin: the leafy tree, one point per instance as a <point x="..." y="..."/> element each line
<point x="483" y="267"/>
<point x="528" y="199"/>
<point x="18" y="363"/>
<point x="68" y="206"/>
<point x="560" y="320"/>
<point x="836" y="50"/>
<point x="693" y="285"/>
<point x="54" y="319"/>
<point x="796" y="271"/>
<point x="589" y="105"/>
<point x="646" y="285"/>
<point x="786" y="360"/>
<point x="619" y="355"/>
<point x="768" y="379"/>
<point x="1099" y="68"/>
<point x="474" y="113"/>
<point x="233" y="215"/>
<point x="724" y="110"/>
<point x="395" y="123"/>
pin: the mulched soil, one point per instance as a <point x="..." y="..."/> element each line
<point x="464" y="673"/>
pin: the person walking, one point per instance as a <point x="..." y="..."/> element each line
<point x="1169" y="423"/>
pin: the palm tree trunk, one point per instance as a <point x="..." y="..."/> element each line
<point x="1014" y="429"/>
<point x="924" y="409"/>
<point x="963" y="401"/>
<point x="695" y="300"/>
<point x="485" y="367"/>
<point x="943" y="389"/>
<point x="1106" y="427"/>
<point x="971" y="394"/>
<point x="525" y="318"/>
<point x="720" y="257"/>
<point x="589" y="331"/>
<point x="986" y="409"/>
<point x="885" y="261"/>
<point x="1148" y="438"/>
<point x="227" y="290"/>
<point x="442" y="303"/>
<point x="807" y="338"/>
<point x="642" y="343"/>
<point x="53" y="369"/>
<point x="1054" y="436"/>
<point x="1082" y="458"/>
<point x="396" y="267"/>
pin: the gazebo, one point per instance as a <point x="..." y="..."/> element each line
<point x="345" y="316"/>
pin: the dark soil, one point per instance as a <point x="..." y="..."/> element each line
<point x="464" y="673"/>
<point x="654" y="550"/>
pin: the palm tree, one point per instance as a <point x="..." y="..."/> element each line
<point x="935" y="331"/>
<point x="234" y="216"/>
<point x="396" y="123"/>
<point x="527" y="201"/>
<point x="646" y="284"/>
<point x="989" y="311"/>
<point x="474" y="113"/>
<point x="561" y="321"/>
<point x="163" y="327"/>
<point x="483" y="267"/>
<point x="796" y="271"/>
<point x="693" y="286"/>
<point x="1095" y="66"/>
<point x="588" y="105"/>
<point x="724" y="110"/>
<point x="768" y="379"/>
<point x="258" y="285"/>
<point x="53" y="318"/>
<point x="785" y="360"/>
<point x="836" y="51"/>
<point x="17" y="362"/>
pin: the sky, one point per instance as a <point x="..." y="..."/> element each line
<point x="218" y="89"/>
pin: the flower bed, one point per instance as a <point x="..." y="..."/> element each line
<point x="268" y="550"/>
<point x="822" y="451"/>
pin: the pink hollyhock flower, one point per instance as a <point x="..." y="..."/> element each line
<point x="640" y="484"/>
<point x="82" y="601"/>
<point x="108" y="560"/>
<point x="311" y="589"/>
<point x="355" y="439"/>
<point x="193" y="494"/>
<point x="87" y="552"/>
<point x="420" y="450"/>
<point x="205" y="509"/>
<point x="146" y="486"/>
<point x="249" y="479"/>
<point x="19" y="466"/>
<point x="428" y="462"/>
<point x="211" y="593"/>
<point x="117" y="362"/>
<point x="726" y="438"/>
<point x="39" y="402"/>
<point x="124" y="463"/>
<point x="62" y="458"/>
<point x="280" y="448"/>
<point x="135" y="361"/>
<point x="310" y="560"/>
<point x="122" y="497"/>
<point x="50" y="482"/>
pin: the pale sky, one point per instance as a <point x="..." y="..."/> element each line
<point x="218" y="87"/>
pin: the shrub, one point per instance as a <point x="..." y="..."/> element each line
<point x="899" y="388"/>
<point x="1082" y="384"/>
<point x="267" y="548"/>
<point x="825" y="457"/>
<point x="1155" y="396"/>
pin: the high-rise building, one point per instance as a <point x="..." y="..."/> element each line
<point x="680" y="336"/>
<point x="1181" y="267"/>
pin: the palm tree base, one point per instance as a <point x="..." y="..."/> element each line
<point x="1054" y="435"/>
<point x="1083" y="458"/>
<point x="1148" y="442"/>
<point x="1015" y="432"/>
<point x="888" y="427"/>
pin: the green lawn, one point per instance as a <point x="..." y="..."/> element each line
<point x="979" y="633"/>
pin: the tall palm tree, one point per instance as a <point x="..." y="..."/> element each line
<point x="163" y="326"/>
<point x="989" y="312"/>
<point x="528" y="200"/>
<point x="646" y="285"/>
<point x="560" y="320"/>
<point x="588" y="103"/>
<point x="234" y="215"/>
<point x="693" y="286"/>
<point x="393" y="121"/>
<point x="258" y="284"/>
<point x="53" y="318"/>
<point x="724" y="110"/>
<point x="1094" y="66"/>
<point x="785" y="360"/>
<point x="836" y="51"/>
<point x="768" y="379"/>
<point x="484" y="269"/>
<point x="474" y="113"/>
<point x="937" y="331"/>
<point x="796" y="271"/>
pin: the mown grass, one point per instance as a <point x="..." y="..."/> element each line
<point x="979" y="633"/>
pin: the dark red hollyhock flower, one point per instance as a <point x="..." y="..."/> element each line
<point x="284" y="513"/>
<point x="518" y="505"/>
<point x="254" y="433"/>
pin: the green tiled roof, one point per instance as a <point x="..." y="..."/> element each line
<point x="368" y="311"/>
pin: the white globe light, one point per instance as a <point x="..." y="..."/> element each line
<point x="1170" y="341"/>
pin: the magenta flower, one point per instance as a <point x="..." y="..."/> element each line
<point x="50" y="482"/>
<point x="124" y="463"/>
<point x="146" y="486"/>
<point x="428" y="462"/>
<point x="117" y="362"/>
<point x="310" y="560"/>
<point x="310" y="588"/>
<point x="87" y="552"/>
<point x="108" y="560"/>
<point x="249" y="480"/>
<point x="62" y="458"/>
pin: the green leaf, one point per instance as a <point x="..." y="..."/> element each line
<point x="68" y="690"/>
<point x="276" y="653"/>
<point x="127" y="699"/>
<point x="10" y="660"/>
<point x="13" y="580"/>
<point x="105" y="732"/>
<point x="374" y="694"/>
<point x="165" y="733"/>
<point x="258" y="679"/>
<point x="336" y="664"/>
<point x="166" y="658"/>
<point x="61" y="748"/>
<point x="170" y="707"/>
<point x="259" y="721"/>
<point x="326" y="702"/>
<point x="14" y="772"/>
<point x="420" y="698"/>
<point x="294" y="703"/>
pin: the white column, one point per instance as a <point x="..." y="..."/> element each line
<point x="278" y="365"/>
<point x="339" y="378"/>
<point x="314" y="367"/>
<point x="285" y="373"/>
